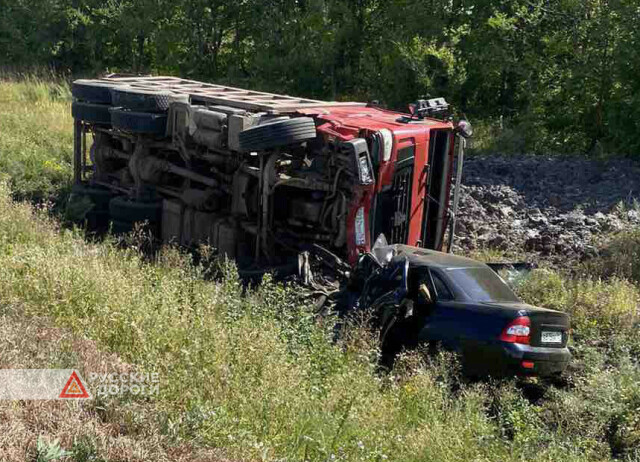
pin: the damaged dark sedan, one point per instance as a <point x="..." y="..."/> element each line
<point x="423" y="297"/>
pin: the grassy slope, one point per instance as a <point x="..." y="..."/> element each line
<point x="255" y="376"/>
<point x="98" y="430"/>
<point x="36" y="141"/>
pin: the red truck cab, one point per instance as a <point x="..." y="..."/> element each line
<point x="412" y="160"/>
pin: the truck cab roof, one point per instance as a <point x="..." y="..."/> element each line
<point x="372" y="118"/>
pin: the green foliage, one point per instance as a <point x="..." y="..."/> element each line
<point x="620" y="256"/>
<point x="49" y="451"/>
<point x="85" y="449"/>
<point x="597" y="307"/>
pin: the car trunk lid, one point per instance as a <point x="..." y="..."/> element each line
<point x="549" y="328"/>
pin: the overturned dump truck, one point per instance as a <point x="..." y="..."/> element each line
<point x="263" y="177"/>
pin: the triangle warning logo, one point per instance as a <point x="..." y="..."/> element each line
<point x="74" y="388"/>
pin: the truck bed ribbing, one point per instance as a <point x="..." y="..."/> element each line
<point x="200" y="92"/>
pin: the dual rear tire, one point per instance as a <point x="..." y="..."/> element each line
<point x="117" y="212"/>
<point x="125" y="214"/>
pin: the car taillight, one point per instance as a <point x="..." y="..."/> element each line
<point x="517" y="331"/>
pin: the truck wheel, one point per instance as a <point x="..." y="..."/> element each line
<point x="277" y="133"/>
<point x="139" y="122"/>
<point x="140" y="100"/>
<point x="92" y="91"/>
<point x="91" y="113"/>
<point x="125" y="227"/>
<point x="122" y="209"/>
<point x="121" y="227"/>
<point x="97" y="220"/>
<point x="99" y="196"/>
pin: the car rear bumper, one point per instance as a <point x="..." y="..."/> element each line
<point x="531" y="360"/>
<point x="502" y="358"/>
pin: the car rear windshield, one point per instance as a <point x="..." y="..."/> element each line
<point x="481" y="284"/>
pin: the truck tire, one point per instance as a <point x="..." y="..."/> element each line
<point x="91" y="113"/>
<point x="121" y="227"/>
<point x="139" y="122"/>
<point x="92" y="91"/>
<point x="277" y="133"/>
<point x="99" y="196"/>
<point x="125" y="210"/>
<point x="139" y="100"/>
<point x="97" y="220"/>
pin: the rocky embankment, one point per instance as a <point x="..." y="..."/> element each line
<point x="549" y="207"/>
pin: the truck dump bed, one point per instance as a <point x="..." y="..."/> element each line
<point x="204" y="93"/>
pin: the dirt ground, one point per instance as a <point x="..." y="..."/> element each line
<point x="554" y="208"/>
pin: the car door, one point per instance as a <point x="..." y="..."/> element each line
<point x="391" y="287"/>
<point x="450" y="322"/>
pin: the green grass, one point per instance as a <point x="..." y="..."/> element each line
<point x="619" y="257"/>
<point x="254" y="374"/>
<point x="36" y="139"/>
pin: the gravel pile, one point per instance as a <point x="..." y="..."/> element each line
<point x="548" y="207"/>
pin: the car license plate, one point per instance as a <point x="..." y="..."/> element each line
<point x="551" y="337"/>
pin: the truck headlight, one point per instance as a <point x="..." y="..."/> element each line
<point x="360" y="227"/>
<point x="365" y="171"/>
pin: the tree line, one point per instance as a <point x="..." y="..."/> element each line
<point x="559" y="75"/>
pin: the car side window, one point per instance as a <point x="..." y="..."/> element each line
<point x="443" y="292"/>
